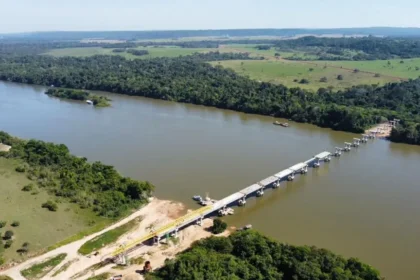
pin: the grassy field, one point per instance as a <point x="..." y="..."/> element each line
<point x="106" y="238"/>
<point x="285" y="72"/>
<point x="38" y="226"/>
<point x="39" y="270"/>
<point x="169" y="51"/>
<point x="102" y="276"/>
<point x="409" y="68"/>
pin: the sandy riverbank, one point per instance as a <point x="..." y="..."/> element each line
<point x="382" y="130"/>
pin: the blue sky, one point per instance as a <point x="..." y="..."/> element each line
<point x="47" y="15"/>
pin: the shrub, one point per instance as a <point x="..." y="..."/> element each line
<point x="311" y="69"/>
<point x="50" y="205"/>
<point x="2" y="261"/>
<point x="20" y="169"/>
<point x="8" y="244"/>
<point x="15" y="224"/>
<point x="377" y="75"/>
<point x="323" y="80"/>
<point x="8" y="235"/>
<point x="28" y="188"/>
<point x="2" y="224"/>
<point x="304" y="81"/>
<point x="340" y="77"/>
<point x="356" y="70"/>
<point x="218" y="226"/>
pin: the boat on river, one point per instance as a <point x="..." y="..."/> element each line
<point x="281" y="124"/>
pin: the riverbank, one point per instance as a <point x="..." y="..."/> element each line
<point x="382" y="130"/>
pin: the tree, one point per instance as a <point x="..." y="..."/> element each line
<point x="50" y="205"/>
<point x="2" y="224"/>
<point x="28" y="188"/>
<point x="304" y="81"/>
<point x="311" y="69"/>
<point x="8" y="244"/>
<point x="323" y="80"/>
<point x="276" y="54"/>
<point x="218" y="226"/>
<point x="8" y="235"/>
<point x="20" y="169"/>
<point x="340" y="77"/>
<point x="15" y="224"/>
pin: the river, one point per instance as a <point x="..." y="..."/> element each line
<point x="364" y="204"/>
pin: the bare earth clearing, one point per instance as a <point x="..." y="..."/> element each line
<point x="155" y="214"/>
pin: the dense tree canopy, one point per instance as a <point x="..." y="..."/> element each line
<point x="188" y="79"/>
<point x="367" y="48"/>
<point x="248" y="255"/>
<point x="91" y="185"/>
<point x="80" y="95"/>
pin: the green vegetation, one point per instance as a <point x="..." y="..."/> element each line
<point x="364" y="48"/>
<point x="80" y="95"/>
<point x="138" y="52"/>
<point x="64" y="267"/>
<point x="28" y="187"/>
<point x="98" y="226"/>
<point x="15" y="224"/>
<point x="102" y="276"/>
<point x="39" y="227"/>
<point x="286" y="72"/>
<point x="137" y="261"/>
<point x="167" y="51"/>
<point x="4" y="277"/>
<point x="39" y="270"/>
<point x="50" y="205"/>
<point x="106" y="238"/>
<point x="218" y="226"/>
<point x="3" y="224"/>
<point x="89" y="196"/>
<point x="187" y="80"/>
<point x="250" y="255"/>
<point x="92" y="186"/>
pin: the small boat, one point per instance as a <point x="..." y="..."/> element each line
<point x="281" y="124"/>
<point x="249" y="226"/>
<point x="197" y="198"/>
<point x="90" y="102"/>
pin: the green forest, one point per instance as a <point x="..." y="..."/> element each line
<point x="92" y="186"/>
<point x="80" y="95"/>
<point x="190" y="80"/>
<point x="248" y="255"/>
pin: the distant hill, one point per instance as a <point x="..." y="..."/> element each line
<point x="174" y="34"/>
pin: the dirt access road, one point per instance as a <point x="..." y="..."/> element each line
<point x="157" y="211"/>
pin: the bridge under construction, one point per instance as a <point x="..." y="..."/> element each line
<point x="238" y="198"/>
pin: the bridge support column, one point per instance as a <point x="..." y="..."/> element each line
<point x="200" y="221"/>
<point x="242" y="201"/>
<point x="291" y="177"/>
<point x="316" y="163"/>
<point x="156" y="240"/>
<point x="176" y="232"/>
<point x="276" y="184"/>
<point x="260" y="192"/>
<point x="304" y="170"/>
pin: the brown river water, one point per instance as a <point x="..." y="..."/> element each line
<point x="365" y="204"/>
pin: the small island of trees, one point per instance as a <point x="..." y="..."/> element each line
<point x="80" y="95"/>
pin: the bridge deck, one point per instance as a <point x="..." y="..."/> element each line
<point x="206" y="210"/>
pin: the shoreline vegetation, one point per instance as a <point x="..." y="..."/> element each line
<point x="188" y="80"/>
<point x="93" y="186"/>
<point x="79" y="95"/>
<point x="251" y="255"/>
